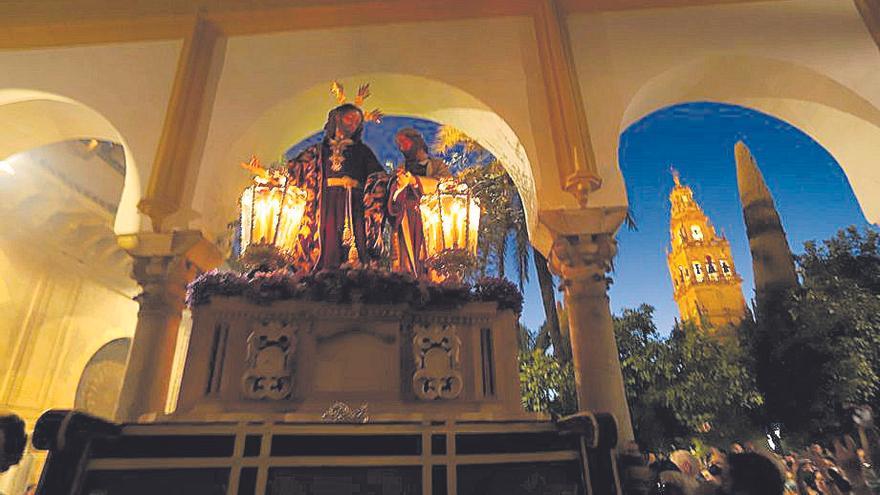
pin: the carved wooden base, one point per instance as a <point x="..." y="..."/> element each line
<point x="292" y="360"/>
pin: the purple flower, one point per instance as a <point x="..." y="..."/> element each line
<point x="370" y="285"/>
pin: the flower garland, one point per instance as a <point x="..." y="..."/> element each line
<point x="347" y="285"/>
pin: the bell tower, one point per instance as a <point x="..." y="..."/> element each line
<point x="706" y="285"/>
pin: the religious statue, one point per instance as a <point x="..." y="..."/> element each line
<point x="333" y="173"/>
<point x="417" y="161"/>
<point x="418" y="175"/>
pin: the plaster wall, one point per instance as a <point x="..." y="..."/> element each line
<point x="54" y="320"/>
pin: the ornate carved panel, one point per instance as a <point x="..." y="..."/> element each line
<point x="270" y="352"/>
<point x="436" y="353"/>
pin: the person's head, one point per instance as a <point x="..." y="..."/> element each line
<point x="346" y="121"/>
<point x="829" y="461"/>
<point x="410" y="142"/>
<point x="12" y="441"/>
<point x="686" y="462"/>
<point x="752" y="474"/>
<point x="817" y="449"/>
<point x="736" y="448"/>
<point x="809" y="479"/>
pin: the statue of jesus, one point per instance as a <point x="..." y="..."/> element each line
<point x="333" y="172"/>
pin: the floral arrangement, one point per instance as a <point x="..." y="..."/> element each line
<point x="500" y="290"/>
<point x="350" y="285"/>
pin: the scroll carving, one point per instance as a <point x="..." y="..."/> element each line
<point x="340" y="412"/>
<point x="436" y="353"/>
<point x="269" y="372"/>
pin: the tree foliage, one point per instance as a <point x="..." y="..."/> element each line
<point x="690" y="384"/>
<point x="546" y="382"/>
<point x="811" y="354"/>
<point x="685" y="386"/>
<point x="817" y="350"/>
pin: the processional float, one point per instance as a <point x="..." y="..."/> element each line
<point x="296" y="380"/>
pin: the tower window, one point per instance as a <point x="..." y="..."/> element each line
<point x="725" y="268"/>
<point x="710" y="268"/>
<point x="698" y="272"/>
<point x="696" y="233"/>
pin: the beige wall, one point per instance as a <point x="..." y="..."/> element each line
<point x="52" y="320"/>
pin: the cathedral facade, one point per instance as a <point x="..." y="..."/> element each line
<point x="706" y="285"/>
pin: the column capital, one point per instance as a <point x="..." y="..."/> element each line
<point x="583" y="261"/>
<point x="164" y="263"/>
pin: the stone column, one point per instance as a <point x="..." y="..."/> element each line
<point x="583" y="261"/>
<point x="164" y="263"/>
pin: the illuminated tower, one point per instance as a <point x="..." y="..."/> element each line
<point x="771" y="257"/>
<point x="707" y="287"/>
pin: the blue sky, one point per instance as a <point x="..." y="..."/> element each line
<point x="812" y="193"/>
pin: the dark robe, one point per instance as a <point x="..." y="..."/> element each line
<point x="322" y="239"/>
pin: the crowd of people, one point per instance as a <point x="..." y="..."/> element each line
<point x="844" y="467"/>
<point x="815" y="471"/>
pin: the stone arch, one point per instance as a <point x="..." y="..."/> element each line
<point x="837" y="117"/>
<point x="30" y="119"/>
<point x="98" y="388"/>
<point x="296" y="118"/>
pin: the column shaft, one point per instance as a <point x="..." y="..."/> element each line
<point x="148" y="370"/>
<point x="582" y="262"/>
<point x="163" y="265"/>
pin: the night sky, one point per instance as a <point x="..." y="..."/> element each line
<point x="812" y="193"/>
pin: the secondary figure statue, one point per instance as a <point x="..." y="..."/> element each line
<point x="418" y="175"/>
